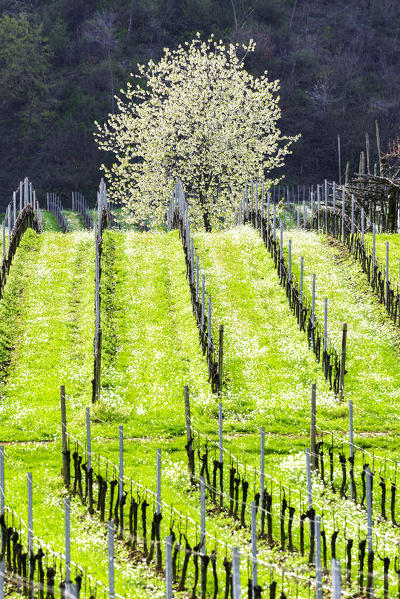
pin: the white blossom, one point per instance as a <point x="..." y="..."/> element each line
<point x="201" y="117"/>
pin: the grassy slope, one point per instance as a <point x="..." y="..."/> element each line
<point x="373" y="360"/>
<point x="145" y="313"/>
<point x="55" y="344"/>
<point x="49" y="305"/>
<point x="50" y="224"/>
<point x="151" y="347"/>
<point x="268" y="365"/>
<point x="394" y="251"/>
<point x="75" y="220"/>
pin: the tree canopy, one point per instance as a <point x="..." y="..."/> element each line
<point x="200" y="117"/>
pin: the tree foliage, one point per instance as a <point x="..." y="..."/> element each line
<point x="24" y="65"/>
<point x="200" y="117"/>
<point x="337" y="63"/>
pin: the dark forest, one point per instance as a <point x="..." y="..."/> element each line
<point x="62" y="61"/>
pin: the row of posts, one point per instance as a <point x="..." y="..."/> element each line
<point x="71" y="590"/>
<point x="313" y="296"/>
<point x="67" y="482"/>
<point x="311" y="464"/>
<point x="24" y="195"/>
<point x="55" y="206"/>
<point x="79" y="204"/>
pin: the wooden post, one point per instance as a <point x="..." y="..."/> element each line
<point x="274" y="223"/>
<point x="308" y="476"/>
<point x="168" y="568"/>
<point x="9" y="221"/>
<point x="3" y="226"/>
<point x="334" y="208"/>
<point x="220" y="357"/>
<point x="254" y="547"/>
<point x="209" y="333"/>
<point x="221" y="454"/>
<point x="343" y="214"/>
<point x="301" y="278"/>
<point x="378" y="145"/>
<point x="111" y="583"/>
<point x="339" y="160"/>
<point x="158" y="494"/>
<point x="121" y="463"/>
<point x="262" y="467"/>
<point x="30" y="514"/>
<point x="202" y="516"/>
<point x="362" y="225"/>
<point x="387" y="276"/>
<point x="373" y="254"/>
<point x="336" y="580"/>
<point x="351" y="431"/>
<point x="189" y="439"/>
<point x="235" y="573"/>
<point x="313" y="427"/>
<point x="67" y="511"/>
<point x="343" y="363"/>
<point x="312" y="207"/>
<point x="318" y="568"/>
<point x="88" y="440"/>
<point x="313" y="299"/>
<point x="369" y="508"/>
<point x="66" y="471"/>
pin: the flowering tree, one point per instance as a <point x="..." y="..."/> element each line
<point x="200" y="117"/>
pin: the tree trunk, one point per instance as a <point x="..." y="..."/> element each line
<point x="206" y="219"/>
<point x="392" y="211"/>
<point x="206" y="214"/>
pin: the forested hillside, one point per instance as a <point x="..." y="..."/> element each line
<point x="62" y="61"/>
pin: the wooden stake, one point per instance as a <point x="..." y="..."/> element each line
<point x="189" y="441"/>
<point x="343" y="363"/>
<point x="313" y="427"/>
<point x="367" y="152"/>
<point x="378" y="145"/>
<point x="220" y="357"/>
<point x="66" y="472"/>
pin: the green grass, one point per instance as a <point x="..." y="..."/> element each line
<point x="50" y="223"/>
<point x="394" y="251"/>
<point x="150" y="350"/>
<point x="268" y="366"/>
<point x="373" y="360"/>
<point x="151" y="346"/>
<point x="54" y="346"/>
<point x="75" y="220"/>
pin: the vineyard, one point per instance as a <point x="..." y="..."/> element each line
<point x="191" y="414"/>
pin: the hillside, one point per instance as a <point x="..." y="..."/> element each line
<point x="61" y="63"/>
<point x="151" y="351"/>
